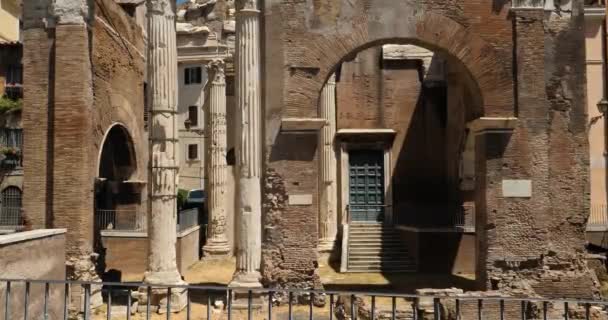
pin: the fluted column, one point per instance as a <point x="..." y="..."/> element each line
<point x="248" y="145"/>
<point x="162" y="215"/>
<point x="328" y="218"/>
<point x="217" y="240"/>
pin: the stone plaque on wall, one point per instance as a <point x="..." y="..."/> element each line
<point x="517" y="188"/>
<point x="300" y="199"/>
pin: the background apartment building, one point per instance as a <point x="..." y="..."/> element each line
<point x="11" y="93"/>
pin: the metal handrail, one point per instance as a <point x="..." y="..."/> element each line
<point x="35" y="300"/>
<point x="298" y="290"/>
<point x="348" y="211"/>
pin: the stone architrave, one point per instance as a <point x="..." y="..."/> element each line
<point x="162" y="217"/>
<point x="217" y="168"/>
<point x="328" y="218"/>
<point x="248" y="146"/>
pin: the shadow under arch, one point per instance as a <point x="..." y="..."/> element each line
<point x="117" y="159"/>
<point x="474" y="110"/>
<point x="117" y="198"/>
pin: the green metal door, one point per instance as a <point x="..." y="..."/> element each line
<point x="366" y="175"/>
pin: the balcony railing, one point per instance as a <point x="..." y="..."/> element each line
<point x="56" y="299"/>
<point x="123" y="220"/>
<point x="135" y="220"/>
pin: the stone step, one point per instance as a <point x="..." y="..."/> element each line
<point x="374" y="247"/>
<point x="376" y="263"/>
<point x="373" y="232"/>
<point x="377" y="248"/>
<point x="362" y="231"/>
<point x="374" y="236"/>
<point x="377" y="252"/>
<point x="383" y="270"/>
<point x="386" y="243"/>
<point x="378" y="259"/>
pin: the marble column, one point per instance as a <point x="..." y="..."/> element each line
<point x="328" y="218"/>
<point x="217" y="168"/>
<point x="248" y="146"/>
<point x="162" y="215"/>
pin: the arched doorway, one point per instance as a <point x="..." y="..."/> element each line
<point x="117" y="196"/>
<point x="399" y="120"/>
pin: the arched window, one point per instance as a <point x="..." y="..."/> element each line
<point x="10" y="208"/>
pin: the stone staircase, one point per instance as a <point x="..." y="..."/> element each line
<point x="374" y="247"/>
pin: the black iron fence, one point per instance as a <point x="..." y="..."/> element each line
<point x="42" y="299"/>
<point x="435" y="215"/>
<point x="123" y="220"/>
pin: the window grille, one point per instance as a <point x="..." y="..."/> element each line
<point x="10" y="208"/>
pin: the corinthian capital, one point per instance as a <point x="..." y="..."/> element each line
<point x="215" y="69"/>
<point x="246" y="4"/>
<point x="163" y="7"/>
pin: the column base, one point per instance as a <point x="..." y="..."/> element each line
<point x="216" y="249"/>
<point x="159" y="297"/>
<point x="241" y="283"/>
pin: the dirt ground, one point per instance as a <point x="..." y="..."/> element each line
<point x="219" y="273"/>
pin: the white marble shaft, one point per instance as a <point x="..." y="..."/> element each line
<point x="217" y="168"/>
<point x="162" y="74"/>
<point x="248" y="145"/>
<point x="328" y="218"/>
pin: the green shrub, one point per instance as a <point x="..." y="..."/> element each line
<point x="7" y="104"/>
<point x="182" y="195"/>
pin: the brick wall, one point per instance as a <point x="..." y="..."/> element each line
<point x="308" y="42"/>
<point x="37" y="61"/>
<point x="73" y="104"/>
<point x="34" y="255"/>
<point x="79" y="81"/>
<point x="127" y="252"/>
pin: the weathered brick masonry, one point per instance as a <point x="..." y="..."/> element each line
<point x="525" y="245"/>
<point x="80" y="80"/>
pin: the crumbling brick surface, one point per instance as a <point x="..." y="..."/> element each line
<point x="529" y="246"/>
<point x="289" y="241"/>
<point x="118" y="59"/>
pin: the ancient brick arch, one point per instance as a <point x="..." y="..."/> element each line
<point x="485" y="71"/>
<point x="118" y="141"/>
